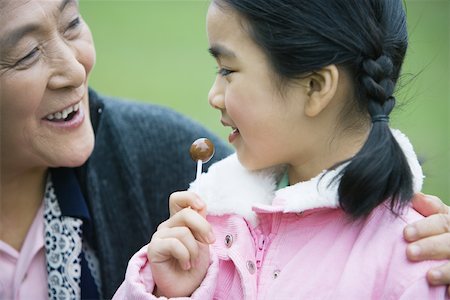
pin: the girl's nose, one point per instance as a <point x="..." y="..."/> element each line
<point x="216" y="97"/>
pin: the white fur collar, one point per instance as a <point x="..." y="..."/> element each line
<point x="229" y="188"/>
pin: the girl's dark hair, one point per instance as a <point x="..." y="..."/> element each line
<point x="369" y="39"/>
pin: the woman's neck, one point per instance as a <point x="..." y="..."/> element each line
<point x="21" y="196"/>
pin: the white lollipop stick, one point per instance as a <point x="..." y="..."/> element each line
<point x="199" y="168"/>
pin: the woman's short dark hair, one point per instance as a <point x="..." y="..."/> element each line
<point x="369" y="39"/>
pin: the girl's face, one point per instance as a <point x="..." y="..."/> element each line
<point x="268" y="127"/>
<point x="46" y="55"/>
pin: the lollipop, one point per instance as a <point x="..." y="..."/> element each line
<point x="201" y="151"/>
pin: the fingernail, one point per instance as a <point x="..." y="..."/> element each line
<point x="436" y="274"/>
<point x="199" y="203"/>
<point x="414" y="250"/>
<point x="187" y="265"/>
<point x="411" y="232"/>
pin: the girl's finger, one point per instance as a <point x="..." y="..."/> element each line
<point x="181" y="200"/>
<point x="198" y="225"/>
<point x="184" y="235"/>
<point x="161" y="250"/>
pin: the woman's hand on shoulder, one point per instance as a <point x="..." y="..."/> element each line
<point x="430" y="237"/>
<point x="179" y="250"/>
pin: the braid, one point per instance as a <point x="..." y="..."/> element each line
<point x="380" y="170"/>
<point x="376" y="80"/>
<point x="378" y="86"/>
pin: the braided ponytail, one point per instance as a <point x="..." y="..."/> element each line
<point x="379" y="171"/>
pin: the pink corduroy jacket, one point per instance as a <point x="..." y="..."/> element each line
<point x="296" y="243"/>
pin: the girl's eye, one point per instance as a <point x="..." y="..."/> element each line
<point x="224" y="72"/>
<point x="27" y="58"/>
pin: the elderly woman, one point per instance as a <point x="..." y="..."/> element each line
<point x="73" y="214"/>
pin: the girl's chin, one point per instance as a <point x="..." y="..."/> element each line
<point x="250" y="164"/>
<point x="246" y="163"/>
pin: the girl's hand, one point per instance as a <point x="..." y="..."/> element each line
<point x="430" y="237"/>
<point x="179" y="250"/>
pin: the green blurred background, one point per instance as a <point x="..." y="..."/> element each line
<point x="157" y="51"/>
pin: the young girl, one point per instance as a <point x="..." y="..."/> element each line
<point x="313" y="203"/>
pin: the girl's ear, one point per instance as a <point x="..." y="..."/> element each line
<point x="322" y="86"/>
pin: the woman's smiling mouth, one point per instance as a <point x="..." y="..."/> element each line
<point x="64" y="115"/>
<point x="69" y="118"/>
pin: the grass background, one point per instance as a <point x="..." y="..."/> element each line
<point x="156" y="51"/>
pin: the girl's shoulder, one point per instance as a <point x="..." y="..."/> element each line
<point x="383" y="247"/>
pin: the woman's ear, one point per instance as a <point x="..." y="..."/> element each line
<point x="322" y="87"/>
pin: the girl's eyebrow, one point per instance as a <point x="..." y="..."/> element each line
<point x="219" y="51"/>
<point x="18" y="33"/>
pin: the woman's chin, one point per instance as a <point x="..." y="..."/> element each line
<point x="82" y="157"/>
<point x="76" y="156"/>
<point x="77" y="162"/>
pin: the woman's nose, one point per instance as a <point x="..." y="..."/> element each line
<point x="216" y="97"/>
<point x="67" y="69"/>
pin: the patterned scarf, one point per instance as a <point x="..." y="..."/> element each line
<point x="63" y="245"/>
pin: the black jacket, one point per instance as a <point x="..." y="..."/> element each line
<point x="141" y="155"/>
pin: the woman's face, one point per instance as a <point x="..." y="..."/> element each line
<point x="267" y="127"/>
<point x="46" y="55"/>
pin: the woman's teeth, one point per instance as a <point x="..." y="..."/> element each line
<point x="64" y="113"/>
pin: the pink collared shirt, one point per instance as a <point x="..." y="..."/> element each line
<point x="23" y="275"/>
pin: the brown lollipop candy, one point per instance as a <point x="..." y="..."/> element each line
<point x="201" y="151"/>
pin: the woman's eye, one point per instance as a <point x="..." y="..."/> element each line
<point x="28" y="57"/>
<point x="224" y="72"/>
<point x="75" y="22"/>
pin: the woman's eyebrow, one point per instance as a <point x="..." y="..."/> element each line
<point x="18" y="33"/>
<point x="66" y="2"/>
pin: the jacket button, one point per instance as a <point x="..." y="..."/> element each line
<point x="251" y="267"/>
<point x="228" y="240"/>
<point x="275" y="274"/>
